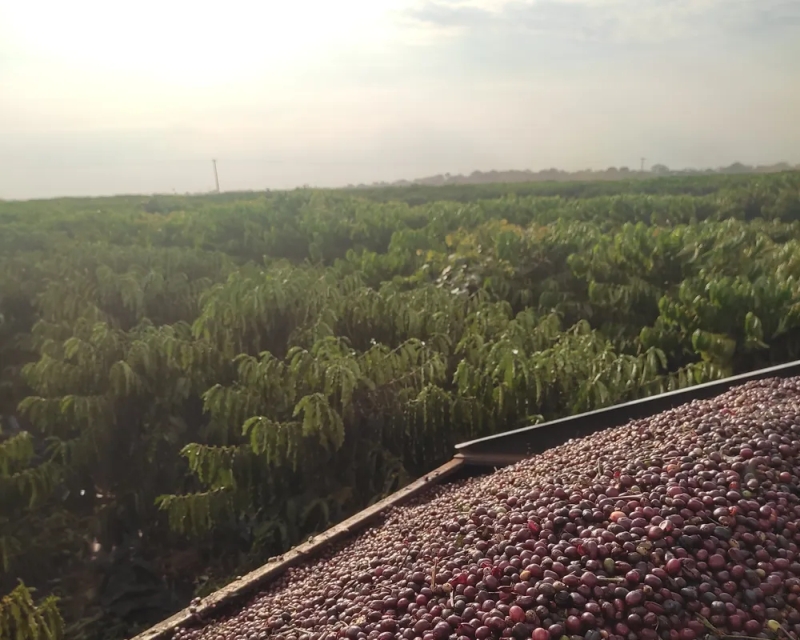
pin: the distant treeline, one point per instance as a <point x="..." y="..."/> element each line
<point x="635" y="183"/>
<point x="419" y="193"/>
<point x="559" y="175"/>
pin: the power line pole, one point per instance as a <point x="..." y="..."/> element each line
<point x="216" y="175"/>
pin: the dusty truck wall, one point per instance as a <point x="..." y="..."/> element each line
<point x="248" y="585"/>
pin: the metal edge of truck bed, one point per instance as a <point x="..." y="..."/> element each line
<point x="512" y="446"/>
<point x="247" y="585"/>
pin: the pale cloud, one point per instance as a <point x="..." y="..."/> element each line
<point x="614" y="21"/>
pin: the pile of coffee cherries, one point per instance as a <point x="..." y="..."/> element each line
<point x="683" y="525"/>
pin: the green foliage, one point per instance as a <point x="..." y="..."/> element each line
<point x="190" y="385"/>
<point x="22" y="619"/>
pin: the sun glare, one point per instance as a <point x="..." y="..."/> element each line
<point x="192" y="43"/>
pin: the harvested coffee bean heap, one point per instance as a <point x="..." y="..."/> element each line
<point x="683" y="525"/>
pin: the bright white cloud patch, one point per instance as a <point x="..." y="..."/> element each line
<point x="190" y="42"/>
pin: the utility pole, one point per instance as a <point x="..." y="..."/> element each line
<point x="641" y="168"/>
<point x="216" y="175"/>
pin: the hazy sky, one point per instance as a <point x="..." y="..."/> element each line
<point x="110" y="96"/>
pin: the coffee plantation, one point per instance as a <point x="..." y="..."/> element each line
<point x="190" y="385"/>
